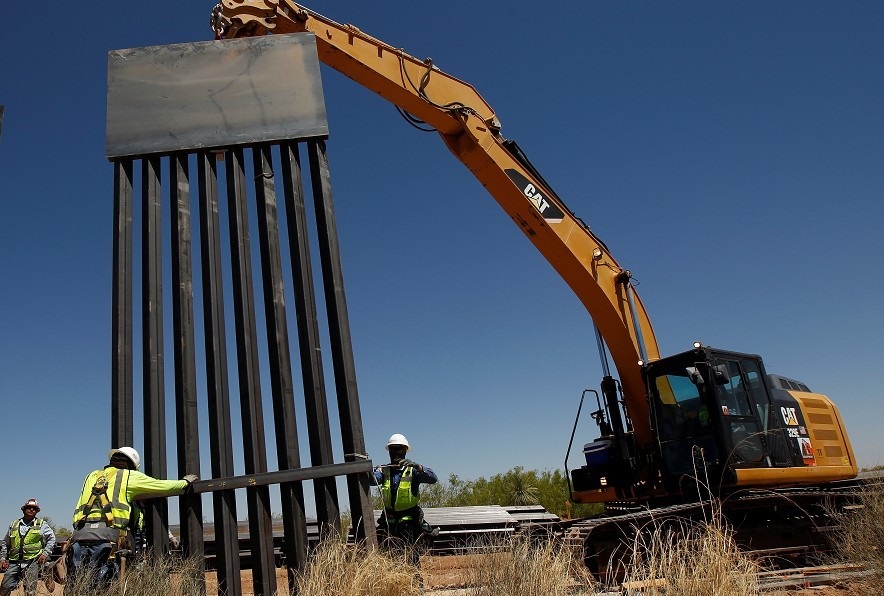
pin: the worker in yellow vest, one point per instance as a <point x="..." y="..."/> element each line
<point x="105" y="508"/>
<point x="402" y="521"/>
<point x="25" y="549"/>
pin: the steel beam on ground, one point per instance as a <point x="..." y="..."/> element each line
<point x="218" y="397"/>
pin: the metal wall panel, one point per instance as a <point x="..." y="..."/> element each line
<point x="181" y="97"/>
<point x="256" y="354"/>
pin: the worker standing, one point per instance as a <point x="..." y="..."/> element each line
<point x="25" y="549"/>
<point x="403" y="518"/>
<point x="104" y="511"/>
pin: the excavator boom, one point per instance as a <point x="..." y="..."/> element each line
<point x="716" y="407"/>
<point x="471" y="130"/>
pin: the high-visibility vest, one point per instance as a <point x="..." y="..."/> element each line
<point x="404" y="498"/>
<point x="109" y="504"/>
<point x="25" y="548"/>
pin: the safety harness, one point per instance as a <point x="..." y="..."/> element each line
<point x="99" y="501"/>
<point x="97" y="506"/>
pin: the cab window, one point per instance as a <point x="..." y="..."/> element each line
<point x="734" y="395"/>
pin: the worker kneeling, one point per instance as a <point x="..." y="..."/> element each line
<point x="401" y="525"/>
<point x="105" y="513"/>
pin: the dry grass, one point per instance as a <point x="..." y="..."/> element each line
<point x="524" y="567"/>
<point x="517" y="567"/>
<point x="167" y="576"/>
<point x="861" y="539"/>
<point x="671" y="558"/>
<point x="689" y="560"/>
<point x="347" y="570"/>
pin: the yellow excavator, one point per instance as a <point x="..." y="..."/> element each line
<point x="669" y="427"/>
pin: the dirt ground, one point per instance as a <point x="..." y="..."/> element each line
<point x="442" y="576"/>
<point x="447" y="576"/>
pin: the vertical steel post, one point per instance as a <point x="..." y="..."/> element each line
<point x="359" y="487"/>
<point x="186" y="413"/>
<point x="287" y="449"/>
<point x="121" y="320"/>
<point x="220" y="428"/>
<point x="319" y="431"/>
<point x="255" y="456"/>
<point x="156" y="511"/>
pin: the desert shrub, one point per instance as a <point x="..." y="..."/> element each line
<point x="515" y="487"/>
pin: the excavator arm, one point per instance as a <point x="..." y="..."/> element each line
<point x="471" y="130"/>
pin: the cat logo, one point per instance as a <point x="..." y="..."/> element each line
<point x="535" y="197"/>
<point x="789" y="416"/>
<point x="548" y="210"/>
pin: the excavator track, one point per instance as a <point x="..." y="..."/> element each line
<point x="782" y="528"/>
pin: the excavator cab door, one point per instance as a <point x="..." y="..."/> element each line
<point x="754" y="435"/>
<point x="745" y="411"/>
<point x="683" y="419"/>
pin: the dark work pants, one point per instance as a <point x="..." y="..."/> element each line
<point x="401" y="538"/>
<point x="88" y="559"/>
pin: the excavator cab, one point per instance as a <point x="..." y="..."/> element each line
<point x="682" y="411"/>
<point x="720" y="423"/>
<point x="713" y="414"/>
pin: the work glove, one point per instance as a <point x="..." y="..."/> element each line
<point x="42" y="558"/>
<point x="407" y="462"/>
<point x="4" y="565"/>
<point x="191" y="478"/>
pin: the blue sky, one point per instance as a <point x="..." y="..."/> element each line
<point x="729" y="154"/>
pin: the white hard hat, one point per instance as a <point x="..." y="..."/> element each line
<point x="398" y="439"/>
<point x="128" y="452"/>
<point x="31" y="503"/>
